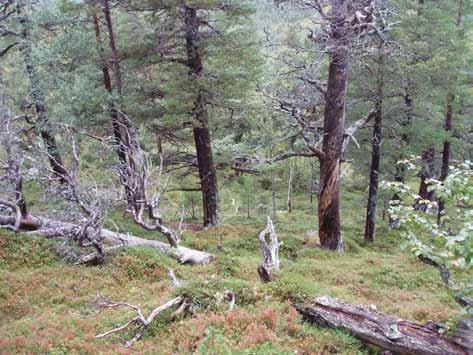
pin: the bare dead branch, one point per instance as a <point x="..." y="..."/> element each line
<point x="142" y="321"/>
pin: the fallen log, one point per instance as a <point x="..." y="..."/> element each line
<point x="58" y="229"/>
<point x="389" y="333"/>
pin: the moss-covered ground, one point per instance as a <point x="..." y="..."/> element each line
<point x="42" y="298"/>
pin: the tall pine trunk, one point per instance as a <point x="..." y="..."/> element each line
<point x="43" y="126"/>
<point x="448" y="125"/>
<point x="334" y="127"/>
<point x="207" y="171"/>
<point x="122" y="126"/>
<point x="290" y="187"/>
<point x="370" y="223"/>
<point x="115" y="119"/>
<point x="400" y="169"/>
<point x="446" y="152"/>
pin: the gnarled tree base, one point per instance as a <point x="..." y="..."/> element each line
<point x="112" y="240"/>
<point x="389" y="333"/>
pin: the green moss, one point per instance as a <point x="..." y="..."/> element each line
<point x="19" y="251"/>
<point x="38" y="291"/>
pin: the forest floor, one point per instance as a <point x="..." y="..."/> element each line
<point x="42" y="297"/>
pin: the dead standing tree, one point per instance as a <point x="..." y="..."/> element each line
<point x="145" y="209"/>
<point x="269" y="252"/>
<point x="86" y="230"/>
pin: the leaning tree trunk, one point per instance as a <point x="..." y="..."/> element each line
<point x="446" y="152"/>
<point x="207" y="171"/>
<point x="334" y="126"/>
<point x="42" y="125"/>
<point x="375" y="154"/>
<point x="396" y="335"/>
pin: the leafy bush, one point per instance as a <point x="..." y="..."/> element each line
<point x="449" y="243"/>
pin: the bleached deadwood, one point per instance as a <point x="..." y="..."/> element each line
<point x="136" y="179"/>
<point x="389" y="333"/>
<point x="230" y="297"/>
<point x="350" y="131"/>
<point x="175" y="282"/>
<point x="59" y="229"/>
<point x="140" y="320"/>
<point x="269" y="252"/>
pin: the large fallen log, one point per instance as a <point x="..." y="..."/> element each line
<point x="389" y="333"/>
<point x="59" y="229"/>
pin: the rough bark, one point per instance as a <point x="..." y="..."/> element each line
<point x="389" y="333"/>
<point x="334" y="127"/>
<point x="58" y="229"/>
<point x="370" y="223"/>
<point x="207" y="174"/>
<point x="42" y="124"/>
<point x="207" y="170"/>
